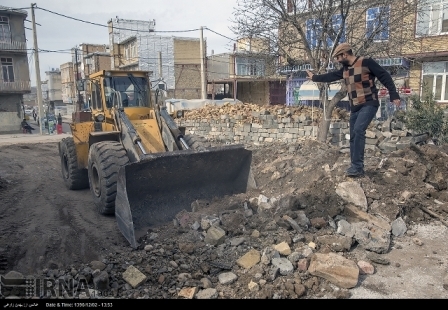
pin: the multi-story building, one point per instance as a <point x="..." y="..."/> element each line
<point x="371" y="27"/>
<point x="428" y="54"/>
<point x="54" y="87"/>
<point x="86" y="59"/>
<point x="67" y="83"/>
<point x="15" y="76"/>
<point x="176" y="61"/>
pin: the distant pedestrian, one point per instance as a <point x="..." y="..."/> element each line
<point x="34" y="115"/>
<point x="26" y="126"/>
<point x="59" y="119"/>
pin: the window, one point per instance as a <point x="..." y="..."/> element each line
<point x="432" y="18"/>
<point x="247" y="66"/>
<point x="5" y="32"/>
<point x="7" y="69"/>
<point x="435" y="80"/>
<point x="377" y="25"/>
<point x="314" y="31"/>
<point x="130" y="50"/>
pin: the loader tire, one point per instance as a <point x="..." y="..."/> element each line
<point x="196" y="142"/>
<point x="74" y="177"/>
<point x="105" y="160"/>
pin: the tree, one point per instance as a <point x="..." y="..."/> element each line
<point x="307" y="32"/>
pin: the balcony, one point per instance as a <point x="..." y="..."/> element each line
<point x="13" y="46"/>
<point x="15" y="87"/>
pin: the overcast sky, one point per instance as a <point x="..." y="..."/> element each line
<point x="60" y="33"/>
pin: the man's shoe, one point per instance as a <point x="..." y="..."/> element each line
<point x="352" y="172"/>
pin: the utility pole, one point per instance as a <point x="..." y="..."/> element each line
<point x="79" y="101"/>
<point x="203" y="80"/>
<point x="37" y="69"/>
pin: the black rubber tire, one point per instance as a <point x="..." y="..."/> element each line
<point x="74" y="177"/>
<point x="105" y="160"/>
<point x="196" y="142"/>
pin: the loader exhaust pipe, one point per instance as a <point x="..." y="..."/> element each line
<point x="151" y="192"/>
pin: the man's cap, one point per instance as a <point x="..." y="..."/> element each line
<point x="341" y="48"/>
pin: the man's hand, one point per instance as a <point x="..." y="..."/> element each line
<point x="397" y="102"/>
<point x="309" y="75"/>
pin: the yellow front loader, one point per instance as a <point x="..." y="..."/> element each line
<point x="138" y="163"/>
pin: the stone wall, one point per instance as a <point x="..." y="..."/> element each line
<point x="284" y="125"/>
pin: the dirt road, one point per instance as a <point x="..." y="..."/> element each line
<point x="42" y="223"/>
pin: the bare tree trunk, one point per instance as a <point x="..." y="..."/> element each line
<point x="326" y="119"/>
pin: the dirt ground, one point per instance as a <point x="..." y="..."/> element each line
<point x="45" y="226"/>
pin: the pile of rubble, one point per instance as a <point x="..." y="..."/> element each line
<point x="307" y="231"/>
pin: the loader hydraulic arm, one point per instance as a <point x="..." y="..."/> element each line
<point x="129" y="136"/>
<point x="177" y="134"/>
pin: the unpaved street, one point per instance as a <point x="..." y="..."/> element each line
<point x="43" y="223"/>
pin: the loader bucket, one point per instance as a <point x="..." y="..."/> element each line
<point x="151" y="192"/>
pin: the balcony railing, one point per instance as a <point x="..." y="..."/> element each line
<point x="13" y="46"/>
<point x="15" y="87"/>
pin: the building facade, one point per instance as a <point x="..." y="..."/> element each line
<point x="174" y="62"/>
<point x="15" y="76"/>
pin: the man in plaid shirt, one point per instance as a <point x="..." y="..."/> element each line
<point x="359" y="75"/>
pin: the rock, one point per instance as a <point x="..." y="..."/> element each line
<point x="445" y="282"/>
<point x="97" y="265"/>
<point x="298" y="238"/>
<point x="294" y="257"/>
<point x="255" y="234"/>
<point x="227" y="278"/>
<point x="354" y="213"/>
<point x="133" y="276"/>
<point x="183" y="277"/>
<point x="417" y="241"/>
<point x="345" y="229"/>
<point x="352" y="192"/>
<point x="312" y="245"/>
<point x="376" y="258"/>
<point x="335" y="268"/>
<point x="293" y="223"/>
<point x="336" y="243"/>
<point x="206" y="283"/>
<point x="237" y="241"/>
<point x="365" y="267"/>
<point x="249" y="259"/>
<point x="215" y="235"/>
<point x="187" y="292"/>
<point x="303" y="264"/>
<point x="101" y="281"/>
<point x="302" y="220"/>
<point x="186" y="247"/>
<point x="208" y="293"/>
<point x="283" y="248"/>
<point x="398" y="227"/>
<point x="284" y="265"/>
<point x="148" y="247"/>
<point x="299" y="289"/>
<point x="253" y="287"/>
<point x="307" y="251"/>
<point x="195" y="225"/>
<point x="372" y="238"/>
<point x="318" y="222"/>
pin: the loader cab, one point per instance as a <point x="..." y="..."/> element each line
<point x="126" y="91"/>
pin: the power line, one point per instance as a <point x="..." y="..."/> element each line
<point x="206" y="28"/>
<point x="101" y="25"/>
